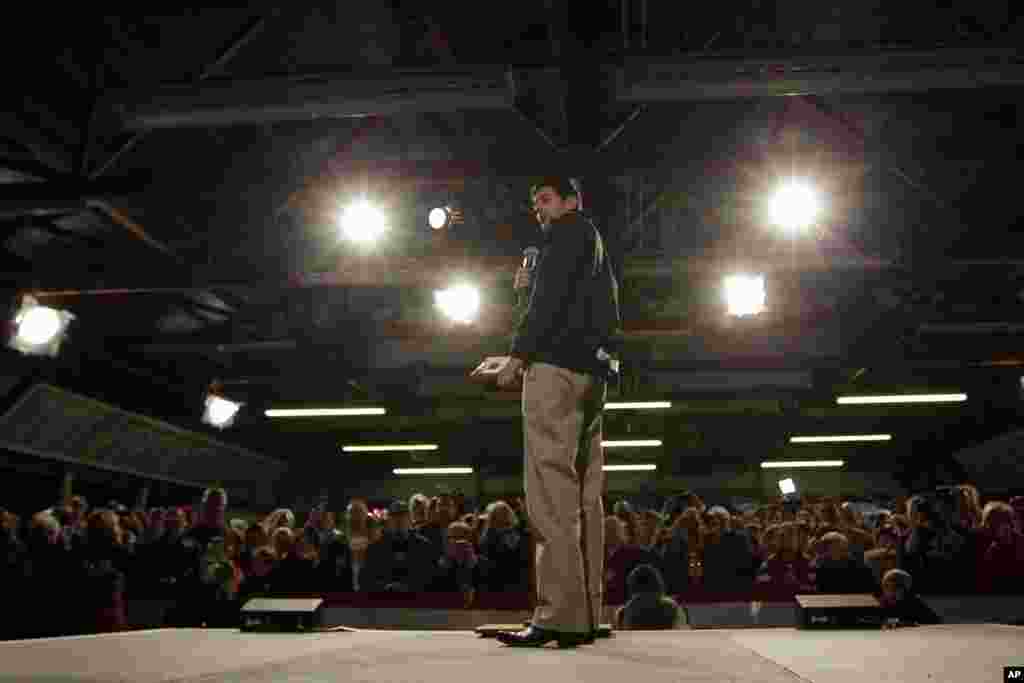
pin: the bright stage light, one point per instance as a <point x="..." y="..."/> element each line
<point x="39" y="325"/>
<point x="220" y="412"/>
<point x="787" y="486"/>
<point x="794" y="206"/>
<point x="460" y="302"/>
<point x="39" y="330"/>
<point x="745" y="294"/>
<point x="361" y="222"/>
<point x="433" y="470"/>
<point x="801" y="464"/>
<point x="438" y="218"/>
<point x="900" y="398"/>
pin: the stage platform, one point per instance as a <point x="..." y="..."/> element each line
<point x="929" y="654"/>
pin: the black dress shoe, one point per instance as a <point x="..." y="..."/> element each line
<point x="535" y="636"/>
<point x="590" y="637"/>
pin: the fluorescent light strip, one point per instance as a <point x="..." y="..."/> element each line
<point x="802" y="463"/>
<point x="906" y="398"/>
<point x="637" y="443"/>
<point x="395" y="448"/>
<point x="840" y="439"/>
<point x="629" y="468"/>
<point x="434" y="470"/>
<point x="323" y="412"/>
<point x="638" y="405"/>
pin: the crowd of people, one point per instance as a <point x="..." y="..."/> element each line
<point x="91" y="561"/>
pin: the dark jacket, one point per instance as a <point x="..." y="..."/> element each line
<point x="849" y="576"/>
<point x="574" y="301"/>
<point x="911" y="609"/>
<point x="648" y="606"/>
<point x="729" y="563"/>
<point x="408" y="561"/>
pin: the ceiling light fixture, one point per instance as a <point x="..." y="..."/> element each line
<point x="323" y="412"/>
<point x="898" y="398"/>
<point x="802" y="463"/>
<point x="850" y="438"/>
<point x="460" y="302"/>
<point x="638" y="405"/>
<point x="745" y="295"/>
<point x="636" y="443"/>
<point x="219" y="412"/>
<point x="629" y="468"/>
<point x="397" y="448"/>
<point x="433" y="470"/>
<point x="38" y="330"/>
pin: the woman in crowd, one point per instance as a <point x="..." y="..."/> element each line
<point x="787" y="568"/>
<point x="1001" y="559"/>
<point x="357" y="516"/>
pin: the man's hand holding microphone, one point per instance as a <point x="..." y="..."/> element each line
<point x="512" y="374"/>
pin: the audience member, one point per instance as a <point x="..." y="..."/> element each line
<point x="649" y="607"/>
<point x="788" y="567"/>
<point x="728" y="555"/>
<point x="836" y="569"/>
<point x="459" y="569"/>
<point x="900" y="603"/>
<point x="358" y="521"/>
<point x="887" y="553"/>
<point x="505" y="547"/>
<point x="1001" y="563"/>
<point x="403" y="560"/>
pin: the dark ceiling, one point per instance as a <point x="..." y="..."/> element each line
<point x="174" y="181"/>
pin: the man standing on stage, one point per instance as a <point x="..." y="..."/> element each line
<point x="561" y="355"/>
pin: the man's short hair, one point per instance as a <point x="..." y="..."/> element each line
<point x="215" y="491"/>
<point x="564" y="185"/>
<point x="901" y="578"/>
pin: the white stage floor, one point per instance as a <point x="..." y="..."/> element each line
<point x="929" y="654"/>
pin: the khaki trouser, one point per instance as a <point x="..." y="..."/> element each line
<point x="564" y="481"/>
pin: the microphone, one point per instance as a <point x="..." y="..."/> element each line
<point x="530" y="255"/>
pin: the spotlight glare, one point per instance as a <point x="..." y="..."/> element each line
<point x="438" y="218"/>
<point x="220" y="412"/>
<point x="39" y="325"/>
<point x="794" y="206"/>
<point x="460" y="302"/>
<point x="745" y="294"/>
<point x="38" y="330"/>
<point x="361" y="222"/>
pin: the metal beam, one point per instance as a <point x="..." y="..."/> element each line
<point x="719" y="77"/>
<point x="121" y="219"/>
<point x="302" y="98"/>
<point x="68" y="189"/>
<point x="233" y="46"/>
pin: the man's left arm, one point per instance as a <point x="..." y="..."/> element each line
<point x="557" y="276"/>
